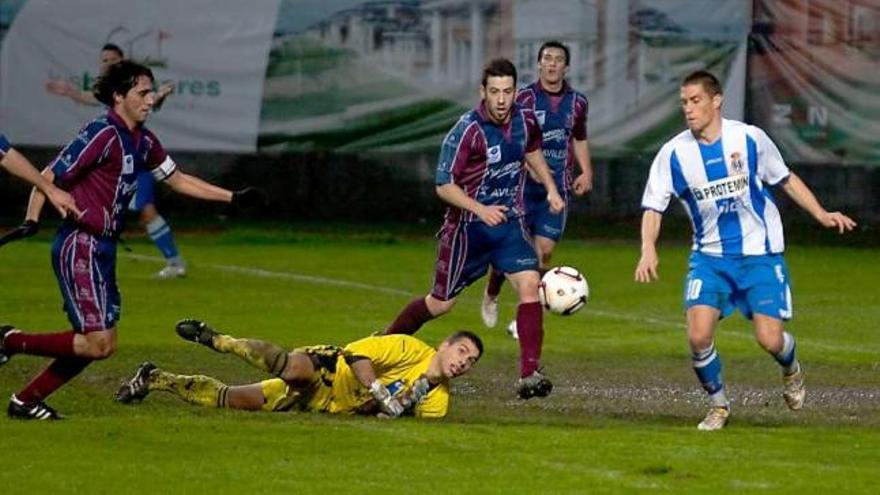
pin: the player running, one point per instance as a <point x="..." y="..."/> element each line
<point x="720" y="171"/>
<point x="389" y="375"/>
<point x="98" y="168"/>
<point x="144" y="201"/>
<point x="480" y="174"/>
<point x="562" y="113"/>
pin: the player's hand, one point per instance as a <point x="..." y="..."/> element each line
<point x="389" y="405"/>
<point x="647" y="269"/>
<point x="27" y="229"/>
<point x="63" y="202"/>
<point x="556" y="202"/>
<point x="415" y="393"/>
<point x="248" y="197"/>
<point x="583" y="184"/>
<point x="837" y="220"/>
<point x="493" y="215"/>
<point x="60" y="87"/>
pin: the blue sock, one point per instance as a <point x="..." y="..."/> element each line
<point x="786" y="357"/>
<point x="707" y="365"/>
<point x="160" y="232"/>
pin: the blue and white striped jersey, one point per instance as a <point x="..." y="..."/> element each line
<point x="723" y="188"/>
<point x="4" y="146"/>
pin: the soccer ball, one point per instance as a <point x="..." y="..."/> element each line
<point x="563" y="290"/>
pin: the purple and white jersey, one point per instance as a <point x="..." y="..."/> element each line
<point x="4" y="146"/>
<point x="723" y="187"/>
<point x="486" y="160"/>
<point x="563" y="120"/>
<point x="100" y="166"/>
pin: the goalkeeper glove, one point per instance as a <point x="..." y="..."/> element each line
<point x="389" y="405"/>
<point x="416" y="393"/>
<point x="248" y="197"/>
<point x="27" y="229"/>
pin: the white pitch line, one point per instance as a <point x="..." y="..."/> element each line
<point x="318" y="280"/>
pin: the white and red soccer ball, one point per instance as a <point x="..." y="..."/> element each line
<point x="563" y="290"/>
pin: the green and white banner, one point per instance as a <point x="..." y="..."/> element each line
<point x="213" y="52"/>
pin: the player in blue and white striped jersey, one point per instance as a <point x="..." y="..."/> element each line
<point x="721" y="170"/>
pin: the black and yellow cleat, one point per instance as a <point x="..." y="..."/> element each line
<point x="196" y="331"/>
<point x="138" y="387"/>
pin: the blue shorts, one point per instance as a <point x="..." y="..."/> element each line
<point x="145" y="193"/>
<point x="541" y="221"/>
<point x="754" y="284"/>
<point x="85" y="266"/>
<point x="468" y="248"/>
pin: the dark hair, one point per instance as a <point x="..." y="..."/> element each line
<point x="554" y="44"/>
<point x="467" y="334"/>
<point x="706" y="79"/>
<point x="499" y="67"/>
<point x="119" y="79"/>
<point x="110" y="47"/>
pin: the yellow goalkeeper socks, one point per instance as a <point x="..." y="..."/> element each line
<point x="258" y="353"/>
<point x="197" y="389"/>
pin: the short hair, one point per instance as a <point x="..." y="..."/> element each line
<point x="499" y="67"/>
<point x="111" y="47"/>
<point x="119" y="78"/>
<point x="467" y="334"/>
<point x="554" y="44"/>
<point x="706" y="79"/>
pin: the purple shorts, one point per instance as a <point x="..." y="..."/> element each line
<point x="85" y="266"/>
<point x="468" y="248"/>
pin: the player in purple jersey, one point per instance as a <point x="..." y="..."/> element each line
<point x="98" y="168"/>
<point x="144" y="201"/>
<point x="562" y="114"/>
<point x="18" y="165"/>
<point x="720" y="170"/>
<point x="480" y="174"/>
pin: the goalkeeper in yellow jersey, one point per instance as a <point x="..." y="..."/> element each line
<point x="386" y="375"/>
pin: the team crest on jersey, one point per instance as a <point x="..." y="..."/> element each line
<point x="737" y="166"/>
<point x="128" y="164"/>
<point x="493" y="154"/>
<point x="541" y="115"/>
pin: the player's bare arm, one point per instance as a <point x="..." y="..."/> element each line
<point x="19" y="166"/>
<point x="189" y="185"/>
<point x="538" y="165"/>
<point x="583" y="183"/>
<point x="454" y="195"/>
<point x="804" y="197"/>
<point x="647" y="269"/>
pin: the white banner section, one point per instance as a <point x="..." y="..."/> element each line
<point x="214" y="52"/>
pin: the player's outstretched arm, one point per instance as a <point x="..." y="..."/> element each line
<point x="536" y="162"/>
<point x="804" y="197"/>
<point x="647" y="269"/>
<point x="490" y="215"/>
<point x="190" y="185"/>
<point x="19" y="166"/>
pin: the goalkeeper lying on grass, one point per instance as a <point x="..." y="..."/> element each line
<point x="388" y="375"/>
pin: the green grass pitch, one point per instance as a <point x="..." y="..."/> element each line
<point x="621" y="419"/>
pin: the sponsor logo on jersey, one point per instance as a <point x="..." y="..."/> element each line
<point x="555" y="135"/>
<point x="728" y="187"/>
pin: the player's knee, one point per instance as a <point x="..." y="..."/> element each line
<point x="299" y="369"/>
<point x="438" y="307"/>
<point x="98" y="345"/>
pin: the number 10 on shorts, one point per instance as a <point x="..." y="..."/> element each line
<point x="694" y="286"/>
